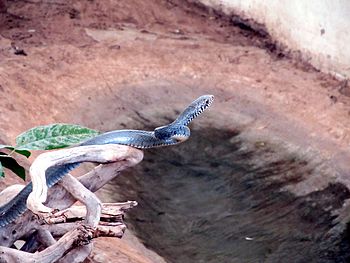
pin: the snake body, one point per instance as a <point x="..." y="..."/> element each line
<point x="173" y="133"/>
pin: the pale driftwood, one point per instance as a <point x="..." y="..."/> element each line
<point x="92" y="153"/>
<point x="77" y="255"/>
<point x="51" y="254"/>
<point x="110" y="225"/>
<point x="109" y="211"/>
<point x="82" y="194"/>
<point x="61" y="199"/>
<point x="10" y="192"/>
<point x="62" y="196"/>
<point x="45" y="237"/>
<point x="102" y="230"/>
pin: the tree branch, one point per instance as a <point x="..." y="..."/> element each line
<point x="73" y="238"/>
<point x="62" y="196"/>
<point x="92" y="153"/>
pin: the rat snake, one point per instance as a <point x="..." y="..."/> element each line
<point x="173" y="133"/>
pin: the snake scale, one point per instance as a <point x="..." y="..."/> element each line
<point x="173" y="133"/>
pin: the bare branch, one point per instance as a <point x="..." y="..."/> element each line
<point x="62" y="196"/>
<point x="77" y="255"/>
<point x="10" y="192"/>
<point x="61" y="199"/>
<point x="108" y="230"/>
<point x="72" y="239"/>
<point x="89" y="199"/>
<point x="92" y="153"/>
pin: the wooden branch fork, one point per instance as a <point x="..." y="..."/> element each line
<point x="60" y="231"/>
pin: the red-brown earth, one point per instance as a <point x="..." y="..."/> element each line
<point x="102" y="64"/>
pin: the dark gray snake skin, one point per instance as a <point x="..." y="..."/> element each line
<point x="174" y="133"/>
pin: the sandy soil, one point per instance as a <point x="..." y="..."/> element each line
<point x="101" y="63"/>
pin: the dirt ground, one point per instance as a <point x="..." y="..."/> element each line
<point x="98" y="63"/>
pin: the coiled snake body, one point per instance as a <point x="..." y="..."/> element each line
<point x="174" y="133"/>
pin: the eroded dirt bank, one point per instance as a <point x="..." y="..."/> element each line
<point x="110" y="64"/>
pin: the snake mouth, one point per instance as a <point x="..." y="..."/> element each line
<point x="195" y="109"/>
<point x="208" y="100"/>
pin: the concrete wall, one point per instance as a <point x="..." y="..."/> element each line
<point x="320" y="29"/>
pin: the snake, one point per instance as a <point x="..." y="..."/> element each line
<point x="171" y="134"/>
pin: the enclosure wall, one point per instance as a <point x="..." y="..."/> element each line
<point x="318" y="28"/>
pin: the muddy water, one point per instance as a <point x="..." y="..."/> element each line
<point x="216" y="199"/>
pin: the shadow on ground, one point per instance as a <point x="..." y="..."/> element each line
<point x="216" y="198"/>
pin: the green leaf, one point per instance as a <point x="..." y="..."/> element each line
<point x="26" y="153"/>
<point x="2" y="174"/>
<point x="11" y="164"/>
<point x="22" y="152"/>
<point x="53" y="136"/>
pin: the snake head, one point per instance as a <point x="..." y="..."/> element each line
<point x="202" y="103"/>
<point x="194" y="109"/>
